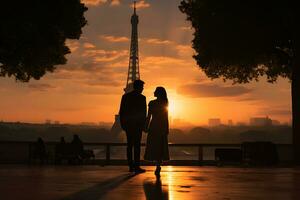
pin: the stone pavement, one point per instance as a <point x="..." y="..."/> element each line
<point x="19" y="182"/>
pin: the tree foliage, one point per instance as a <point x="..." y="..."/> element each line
<point x="33" y="35"/>
<point x="243" y="40"/>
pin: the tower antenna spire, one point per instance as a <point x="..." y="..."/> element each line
<point x="134" y="7"/>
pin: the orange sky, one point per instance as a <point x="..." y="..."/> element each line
<point x="89" y="87"/>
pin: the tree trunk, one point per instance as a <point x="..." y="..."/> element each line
<point x="296" y="109"/>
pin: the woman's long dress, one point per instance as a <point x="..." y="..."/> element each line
<point x="157" y="139"/>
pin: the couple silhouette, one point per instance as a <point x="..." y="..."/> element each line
<point x="134" y="120"/>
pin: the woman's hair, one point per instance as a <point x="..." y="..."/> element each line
<point x="161" y="94"/>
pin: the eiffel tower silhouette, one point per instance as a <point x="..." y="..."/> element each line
<point x="133" y="69"/>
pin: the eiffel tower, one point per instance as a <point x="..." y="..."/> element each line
<point x="133" y="69"/>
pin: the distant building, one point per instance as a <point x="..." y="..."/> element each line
<point x="275" y="122"/>
<point x="260" y="121"/>
<point x="230" y="122"/>
<point x="109" y="124"/>
<point x="287" y="124"/>
<point x="214" y="122"/>
<point x="48" y="121"/>
<point x="88" y="123"/>
<point x="241" y="124"/>
<point x="116" y="128"/>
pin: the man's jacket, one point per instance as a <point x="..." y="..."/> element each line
<point x="133" y="111"/>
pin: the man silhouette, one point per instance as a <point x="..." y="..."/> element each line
<point x="132" y="117"/>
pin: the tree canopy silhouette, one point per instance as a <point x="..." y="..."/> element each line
<point x="33" y="35"/>
<point x="243" y="40"/>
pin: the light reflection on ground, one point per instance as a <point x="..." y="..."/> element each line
<point x="175" y="183"/>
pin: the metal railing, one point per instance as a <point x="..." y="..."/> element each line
<point x="20" y="151"/>
<point x="173" y="161"/>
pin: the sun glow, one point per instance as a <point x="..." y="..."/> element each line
<point x="174" y="108"/>
<point x="171" y="108"/>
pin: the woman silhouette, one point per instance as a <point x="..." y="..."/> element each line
<point x="157" y="126"/>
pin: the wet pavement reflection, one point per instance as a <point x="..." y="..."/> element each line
<point x="115" y="182"/>
<point x="155" y="190"/>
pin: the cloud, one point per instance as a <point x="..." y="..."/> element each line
<point x="95" y="61"/>
<point x="111" y="38"/>
<point x="71" y="108"/>
<point x="185" y="28"/>
<point x="88" y="45"/>
<point x="41" y="87"/>
<point x="100" y="2"/>
<point x="3" y="89"/>
<point x="275" y="111"/>
<point x="141" y="4"/>
<point x="104" y="55"/>
<point x="96" y="91"/>
<point x="107" y="82"/>
<point x="115" y="2"/>
<point x="94" y="2"/>
<point x="248" y="99"/>
<point x="100" y="55"/>
<point x="104" y="81"/>
<point x="73" y="45"/>
<point x="179" y="49"/>
<point x="68" y="72"/>
<point x="123" y="62"/>
<point x="198" y="90"/>
<point x="159" y="61"/>
<point x="93" y="73"/>
<point x="185" y="50"/>
<point x="157" y="41"/>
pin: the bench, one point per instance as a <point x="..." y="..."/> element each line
<point x="38" y="154"/>
<point x="260" y="153"/>
<point x="228" y="156"/>
<point x="69" y="153"/>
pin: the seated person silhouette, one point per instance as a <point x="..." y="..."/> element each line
<point x="79" y="151"/>
<point x="60" y="150"/>
<point x="39" y="151"/>
<point x="77" y="147"/>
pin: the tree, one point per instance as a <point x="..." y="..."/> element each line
<point x="244" y="40"/>
<point x="33" y="35"/>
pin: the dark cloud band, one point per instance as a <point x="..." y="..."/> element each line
<point x="199" y="90"/>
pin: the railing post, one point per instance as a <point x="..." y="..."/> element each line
<point x="29" y="153"/>
<point x="200" y="154"/>
<point x="107" y="154"/>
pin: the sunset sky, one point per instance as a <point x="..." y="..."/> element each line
<point x="89" y="87"/>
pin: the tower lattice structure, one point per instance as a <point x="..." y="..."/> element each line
<point x="133" y="68"/>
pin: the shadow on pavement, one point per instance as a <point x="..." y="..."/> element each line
<point x="155" y="191"/>
<point x="99" y="190"/>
